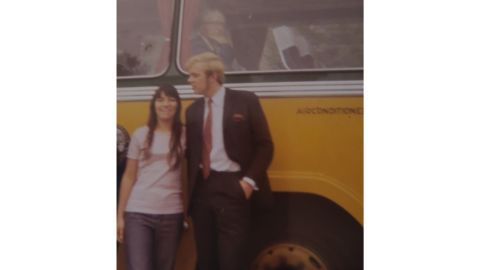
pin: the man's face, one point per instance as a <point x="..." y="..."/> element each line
<point x="198" y="79"/>
<point x="214" y="29"/>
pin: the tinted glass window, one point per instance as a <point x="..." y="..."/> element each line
<point x="265" y="35"/>
<point x="143" y="36"/>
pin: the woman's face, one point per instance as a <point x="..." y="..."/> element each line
<point x="165" y="107"/>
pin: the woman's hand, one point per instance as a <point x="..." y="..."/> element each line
<point x="120" y="228"/>
<point x="128" y="180"/>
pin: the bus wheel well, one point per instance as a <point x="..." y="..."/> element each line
<point x="310" y="224"/>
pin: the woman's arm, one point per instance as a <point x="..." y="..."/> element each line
<point x="128" y="180"/>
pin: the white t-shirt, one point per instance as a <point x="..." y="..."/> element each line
<point x="157" y="189"/>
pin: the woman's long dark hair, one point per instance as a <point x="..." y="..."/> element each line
<point x="175" y="152"/>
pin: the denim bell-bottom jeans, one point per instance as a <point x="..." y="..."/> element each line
<point x="151" y="241"/>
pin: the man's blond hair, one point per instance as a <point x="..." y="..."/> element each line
<point x="212" y="64"/>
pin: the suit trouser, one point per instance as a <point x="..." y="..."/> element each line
<point x="221" y="219"/>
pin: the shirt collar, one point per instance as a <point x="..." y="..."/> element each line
<point x="218" y="98"/>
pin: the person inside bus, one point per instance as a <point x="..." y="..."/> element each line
<point x="229" y="148"/>
<point x="150" y="212"/>
<point x="214" y="37"/>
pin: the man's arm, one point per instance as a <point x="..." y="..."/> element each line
<point x="263" y="145"/>
<point x="188" y="131"/>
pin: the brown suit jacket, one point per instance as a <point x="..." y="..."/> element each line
<point x="247" y="141"/>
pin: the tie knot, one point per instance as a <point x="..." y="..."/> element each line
<point x="210" y="101"/>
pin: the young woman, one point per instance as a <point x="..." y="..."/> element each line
<point x="150" y="210"/>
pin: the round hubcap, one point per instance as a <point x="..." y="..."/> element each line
<point x="287" y="256"/>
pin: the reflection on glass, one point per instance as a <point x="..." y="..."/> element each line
<point x="143" y="36"/>
<point x="275" y="34"/>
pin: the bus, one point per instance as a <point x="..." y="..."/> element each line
<point x="304" y="59"/>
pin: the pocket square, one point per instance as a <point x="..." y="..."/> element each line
<point x="238" y="117"/>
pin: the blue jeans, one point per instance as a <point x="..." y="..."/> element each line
<point x="151" y="241"/>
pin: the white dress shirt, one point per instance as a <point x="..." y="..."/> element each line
<point x="219" y="160"/>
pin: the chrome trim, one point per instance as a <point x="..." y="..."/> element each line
<point x="148" y="76"/>
<point x="275" y="89"/>
<point x="179" y="37"/>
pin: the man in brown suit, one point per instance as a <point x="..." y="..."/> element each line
<point x="229" y="149"/>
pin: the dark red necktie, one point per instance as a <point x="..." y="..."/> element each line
<point x="207" y="141"/>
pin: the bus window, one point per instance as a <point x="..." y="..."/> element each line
<point x="274" y="35"/>
<point x="143" y="37"/>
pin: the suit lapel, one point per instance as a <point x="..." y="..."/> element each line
<point x="227" y="110"/>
